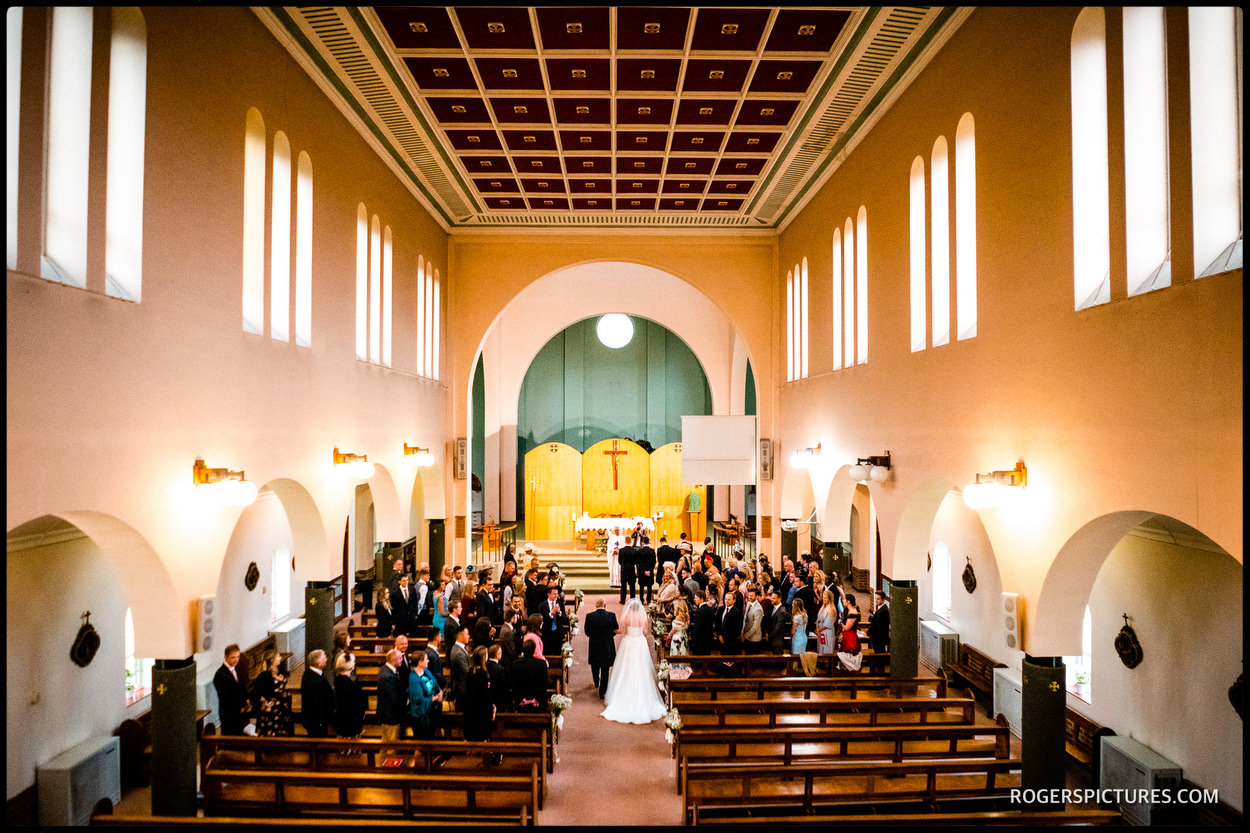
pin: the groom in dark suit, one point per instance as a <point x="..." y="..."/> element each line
<point x="629" y="578"/>
<point x="644" y="567"/>
<point x="601" y="627"/>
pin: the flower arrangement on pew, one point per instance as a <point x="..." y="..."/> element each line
<point x="659" y="630"/>
<point x="662" y="673"/>
<point x="578" y="595"/>
<point x="556" y="705"/>
<point x="566" y="651"/>
<point x="573" y="623"/>
<point x="672" y="723"/>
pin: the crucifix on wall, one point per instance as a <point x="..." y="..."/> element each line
<point x="615" y="451"/>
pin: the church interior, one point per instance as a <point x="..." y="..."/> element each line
<point x="260" y="248"/>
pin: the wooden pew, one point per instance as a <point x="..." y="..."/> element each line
<point x="802" y="688"/>
<point x="115" y="820"/>
<point x="339" y="755"/>
<point x="767" y="714"/>
<point x="1015" y="818"/>
<point x="406" y="795"/>
<point x="737" y="792"/>
<point x="977" y="670"/>
<point x="783" y="746"/>
<point x="1081" y="739"/>
<point x="787" y="665"/>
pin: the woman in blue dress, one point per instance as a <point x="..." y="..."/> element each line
<point x="798" y="640"/>
<point x="425" y="698"/>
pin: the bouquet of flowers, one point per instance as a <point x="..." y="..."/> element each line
<point x="573" y="622"/>
<point x="556" y="705"/>
<point x="567" y="652"/>
<point x="577" y="600"/>
<point x="672" y="722"/>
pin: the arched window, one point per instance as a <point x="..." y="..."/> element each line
<point x="280" y="240"/>
<point x="1215" y="120"/>
<point x="12" y="110"/>
<point x="848" y="293"/>
<point x="789" y="326"/>
<point x="941" y="574"/>
<point x="916" y="227"/>
<point x="138" y="670"/>
<point x="835" y="320"/>
<point x="940" y="243"/>
<point x="965" y="228"/>
<point x="254" y="224"/>
<point x="1145" y="149"/>
<point x="67" y="143"/>
<point x="430" y="299"/>
<point x="303" y="251"/>
<point x="280" y="600"/>
<point x="375" y="289"/>
<point x="437" y="319"/>
<point x="386" y="295"/>
<point x="861" y="285"/>
<point x="803" y="321"/>
<point x="362" y="282"/>
<point x="796" y="322"/>
<point x="127" y="107"/>
<point x="1091" y="222"/>
<point x="1079" y="669"/>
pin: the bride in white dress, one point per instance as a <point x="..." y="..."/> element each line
<point x="632" y="695"/>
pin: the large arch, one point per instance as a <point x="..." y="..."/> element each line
<point x="308" y="531"/>
<point x="915" y="525"/>
<point x="162" y="623"/>
<point x="526" y="322"/>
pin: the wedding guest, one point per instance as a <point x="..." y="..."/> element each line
<point x="316" y="696"/>
<point x="232" y="693"/>
<point x="798" y="637"/>
<point x="350" y="702"/>
<point x="529" y="680"/>
<point x="778" y="624"/>
<point x="879" y="625"/>
<point x="385" y="614"/>
<point x="752" y="624"/>
<point x="827" y="625"/>
<point x="460" y="665"/>
<point x="425" y="699"/>
<point x="438" y="605"/>
<point x="392" y="695"/>
<point x="270" y="700"/>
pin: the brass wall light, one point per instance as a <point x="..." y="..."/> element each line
<point x="355" y="466"/>
<point x="988" y="490"/>
<point x="417" y="457"/>
<point x="227" y="486"/>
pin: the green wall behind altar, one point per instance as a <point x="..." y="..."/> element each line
<point x="578" y="391"/>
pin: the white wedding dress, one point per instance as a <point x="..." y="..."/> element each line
<point x="632" y="695"/>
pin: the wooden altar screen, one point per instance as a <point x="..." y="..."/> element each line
<point x="553" y="491"/>
<point x="616" y="479"/>
<point x="669" y="495"/>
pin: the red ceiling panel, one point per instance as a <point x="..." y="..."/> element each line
<point x="510" y="73"/>
<point x="590" y="186"/>
<point x="530" y="140"/>
<point x="441" y="73"/>
<point x="806" y="30"/>
<point x="474" y="140"/>
<point x="633" y="165"/>
<point x="635" y="204"/>
<point x="740" y="167"/>
<point x="784" y="76"/>
<point x="747" y="142"/>
<point x="721" y="204"/>
<point x="724" y="30"/>
<point x="547" y="185"/>
<point x="690" y="165"/>
<point x="641" y="140"/>
<point x="538" y="165"/>
<point x="593" y="204"/>
<point x="573" y="141"/>
<point x="679" y="203"/>
<point x="715" y="76"/>
<point x="580" y="74"/>
<point x="496" y="27"/>
<point x="418" y="27"/>
<point x="647" y="74"/>
<point x="644" y="111"/>
<point x="563" y="27"/>
<point x="549" y="204"/>
<point x="699" y="142"/>
<point x="497" y="165"/>
<point x="583" y="110"/>
<point x="651" y="28"/>
<point x="521" y="111"/>
<point x="776" y="113"/>
<point x="588" y="164"/>
<point x="459" y="110"/>
<point x="707" y="111"/>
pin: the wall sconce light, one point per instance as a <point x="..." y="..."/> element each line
<point x="876" y="469"/>
<point x="226" y="486"/>
<point x="355" y="466"/>
<point x="804" y="458"/>
<point x="417" y="457"/>
<point x="988" y="490"/>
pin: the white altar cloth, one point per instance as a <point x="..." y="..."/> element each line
<point x="602" y="524"/>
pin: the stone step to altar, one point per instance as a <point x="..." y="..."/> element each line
<point x="582" y="570"/>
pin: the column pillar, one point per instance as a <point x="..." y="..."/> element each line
<point x="904" y="628"/>
<point x="1042" y="725"/>
<point x="174" y="760"/>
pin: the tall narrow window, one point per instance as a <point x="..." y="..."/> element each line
<point x="12" y="109"/>
<point x="280" y="240"/>
<point x="1079" y="668"/>
<point x="127" y="107"/>
<point x="965" y="228"/>
<point x="861" y="286"/>
<point x="941" y="580"/>
<point x="940" y="240"/>
<point x="254" y="224"/>
<point x="375" y="290"/>
<point x="803" y="352"/>
<point x="835" y="320"/>
<point x="303" y="251"/>
<point x="138" y="669"/>
<point x="848" y="293"/>
<point x="386" y="296"/>
<point x="1215" y="119"/>
<point x="68" y="140"/>
<point x="916" y="228"/>
<point x="790" y="327"/>
<point x="1145" y="149"/>
<point x="429" y="321"/>
<point x="434" y="374"/>
<point x="421" y="315"/>
<point x="1091" y="222"/>
<point x="280" y="601"/>
<point x="362" y="283"/>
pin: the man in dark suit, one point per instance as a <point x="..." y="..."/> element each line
<point x="601" y="626"/>
<point x="808" y="595"/>
<point x="485" y="599"/>
<point x="731" y="624"/>
<point x="629" y="579"/>
<point x="316" y="696"/>
<point x="403" y="667"/>
<point x="404" y="605"/>
<point x="535" y="591"/>
<point x="231" y="693"/>
<point x="392" y="696"/>
<point x="500" y="681"/>
<point x="452" y="625"/>
<point x="461" y="665"/>
<point x="702" y="625"/>
<point x="879" y="625"/>
<point x="644" y="567"/>
<point x="398" y="571"/>
<point x="436" y="662"/>
<point x="555" y="622"/>
<point x="664" y="554"/>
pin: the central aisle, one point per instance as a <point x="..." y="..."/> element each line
<point x="609" y="773"/>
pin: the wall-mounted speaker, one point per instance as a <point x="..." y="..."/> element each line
<point x="461" y="458"/>
<point x="205" y="623"/>
<point x="1012" y="639"/>
<point x="766" y="459"/>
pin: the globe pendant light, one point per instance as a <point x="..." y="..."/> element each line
<point x="615" y="330"/>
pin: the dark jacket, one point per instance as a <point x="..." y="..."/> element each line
<point x="779" y="628"/>
<point x="231" y="699"/>
<point x="458" y="659"/>
<point x="879" y="629"/>
<point x="349" y="706"/>
<point x="731" y="630"/>
<point x="628" y="558"/>
<point x="476" y="704"/>
<point x="316" y="703"/>
<point x="600" y="627"/>
<point x="500" y="686"/>
<point x="702" y="629"/>
<point x="529" y="682"/>
<point x="392" y="697"/>
<point x="644" y="565"/>
<point x="386" y="622"/>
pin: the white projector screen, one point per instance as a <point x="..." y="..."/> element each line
<point x="718" y="450"/>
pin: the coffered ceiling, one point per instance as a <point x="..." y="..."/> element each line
<point x="562" y="117"/>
